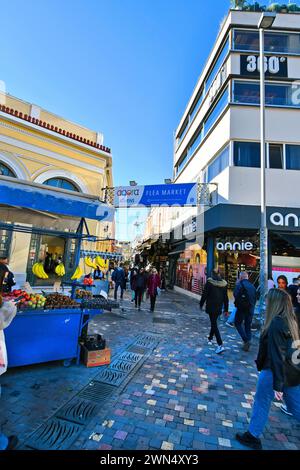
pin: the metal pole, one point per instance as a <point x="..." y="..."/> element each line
<point x="263" y="222"/>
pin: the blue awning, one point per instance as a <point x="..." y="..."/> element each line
<point x="34" y="196"/>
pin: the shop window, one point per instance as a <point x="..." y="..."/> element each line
<point x="6" y="171"/>
<point x="5" y="242"/>
<point x="247" y="154"/>
<point x="276" y="156"/>
<point x="217" y="110"/>
<point x="218" y="165"/>
<point x="293" y="157"/>
<point x="217" y="65"/>
<point x="61" y="183"/>
<point x="275" y="42"/>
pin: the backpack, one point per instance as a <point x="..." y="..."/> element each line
<point x="242" y="301"/>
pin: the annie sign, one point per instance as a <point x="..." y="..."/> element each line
<point x="156" y="195"/>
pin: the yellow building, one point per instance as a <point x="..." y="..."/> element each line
<point x="41" y="148"/>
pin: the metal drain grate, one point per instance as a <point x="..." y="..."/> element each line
<point x="112" y="377"/>
<point x="123" y="366"/>
<point x="131" y="356"/>
<point x="96" y="392"/>
<point x="146" y="342"/>
<point x="77" y="411"/>
<point x="168" y="321"/>
<point x="137" y="349"/>
<point x="54" y="435"/>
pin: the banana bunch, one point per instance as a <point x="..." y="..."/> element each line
<point x="38" y="271"/>
<point x="103" y="264"/>
<point x="90" y="263"/>
<point x="60" y="270"/>
<point x="77" y="274"/>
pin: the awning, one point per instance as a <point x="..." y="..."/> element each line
<point x="27" y="195"/>
<point x="291" y="238"/>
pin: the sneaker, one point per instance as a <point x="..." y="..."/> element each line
<point x="220" y="349"/>
<point x="139" y="309"/>
<point x="209" y="341"/>
<point x="285" y="410"/>
<point x="248" y="440"/>
<point x="246" y="346"/>
<point x="229" y="324"/>
<point x="13" y="441"/>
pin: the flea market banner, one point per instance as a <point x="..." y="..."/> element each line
<point x="156" y="195"/>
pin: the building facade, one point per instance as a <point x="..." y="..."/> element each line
<point x="43" y="149"/>
<point x="218" y="141"/>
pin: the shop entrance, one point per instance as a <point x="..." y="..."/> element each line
<point x="50" y="250"/>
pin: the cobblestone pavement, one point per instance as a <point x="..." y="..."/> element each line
<point x="182" y="397"/>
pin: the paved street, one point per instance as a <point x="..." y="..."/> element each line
<point x="179" y="396"/>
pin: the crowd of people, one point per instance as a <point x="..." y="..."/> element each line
<point x="278" y="359"/>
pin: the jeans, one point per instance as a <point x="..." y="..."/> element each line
<point x="152" y="302"/>
<point x="263" y="400"/>
<point x="117" y="285"/>
<point x="138" y="297"/>
<point x="243" y="322"/>
<point x="3" y="438"/>
<point x="231" y="318"/>
<point x="214" y="331"/>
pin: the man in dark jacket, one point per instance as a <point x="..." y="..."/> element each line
<point x="118" y="276"/>
<point x="216" y="297"/>
<point x="245" y="300"/>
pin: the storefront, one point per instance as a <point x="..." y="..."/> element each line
<point x="231" y="244"/>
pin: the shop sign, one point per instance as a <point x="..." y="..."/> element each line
<point x="217" y="84"/>
<point x="189" y="228"/>
<point x="235" y="246"/>
<point x="156" y="195"/>
<point x="290" y="220"/>
<point x="274" y="66"/>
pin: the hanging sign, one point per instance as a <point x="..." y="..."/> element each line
<point x="275" y="66"/>
<point x="156" y="195"/>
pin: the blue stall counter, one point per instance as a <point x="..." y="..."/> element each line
<point x="37" y="336"/>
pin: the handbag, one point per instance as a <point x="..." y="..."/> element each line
<point x="158" y="291"/>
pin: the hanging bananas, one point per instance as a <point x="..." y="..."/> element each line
<point x="103" y="264"/>
<point x="90" y="263"/>
<point x="38" y="271"/>
<point x="60" y="270"/>
<point x="77" y="274"/>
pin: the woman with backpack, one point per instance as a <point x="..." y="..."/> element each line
<point x="278" y="363"/>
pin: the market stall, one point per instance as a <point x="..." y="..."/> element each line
<point x="48" y="325"/>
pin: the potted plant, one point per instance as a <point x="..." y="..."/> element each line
<point x="276" y="7"/>
<point x="293" y="7"/>
<point x="284" y="9"/>
<point x="238" y="4"/>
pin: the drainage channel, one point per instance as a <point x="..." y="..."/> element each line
<point x="61" y="430"/>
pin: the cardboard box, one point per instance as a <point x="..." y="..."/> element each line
<point x="96" y="358"/>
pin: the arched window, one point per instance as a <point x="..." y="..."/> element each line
<point x="61" y="183"/>
<point x="6" y="171"/>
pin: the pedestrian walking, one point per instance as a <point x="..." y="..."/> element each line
<point x="153" y="284"/>
<point x="279" y="371"/>
<point x="292" y="290"/>
<point x="140" y="286"/>
<point x="118" y="277"/>
<point x="216" y="298"/>
<point x="132" y="281"/>
<point x="163" y="279"/>
<point x="245" y="300"/>
<point x="9" y="278"/>
<point x="8" y="311"/>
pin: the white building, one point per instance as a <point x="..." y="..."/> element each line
<point x="218" y="141"/>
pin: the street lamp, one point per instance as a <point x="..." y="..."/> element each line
<point x="168" y="181"/>
<point x="266" y="21"/>
<point x="133" y="183"/>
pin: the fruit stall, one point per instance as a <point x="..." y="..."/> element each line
<point x="48" y="326"/>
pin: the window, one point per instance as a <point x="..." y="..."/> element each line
<point x="195" y="142"/>
<point x="182" y="163"/>
<point x="276" y="156"/>
<point x="183" y="130"/>
<point x="293" y="157"/>
<point x="5" y="171"/>
<point x="282" y="43"/>
<point x="5" y="242"/>
<point x="217" y="65"/>
<point x="217" y="110"/>
<point x="277" y="94"/>
<point x="196" y="105"/>
<point x="61" y="183"/>
<point x="247" y="154"/>
<point x="218" y="165"/>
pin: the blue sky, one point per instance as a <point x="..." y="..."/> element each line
<point x="123" y="67"/>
